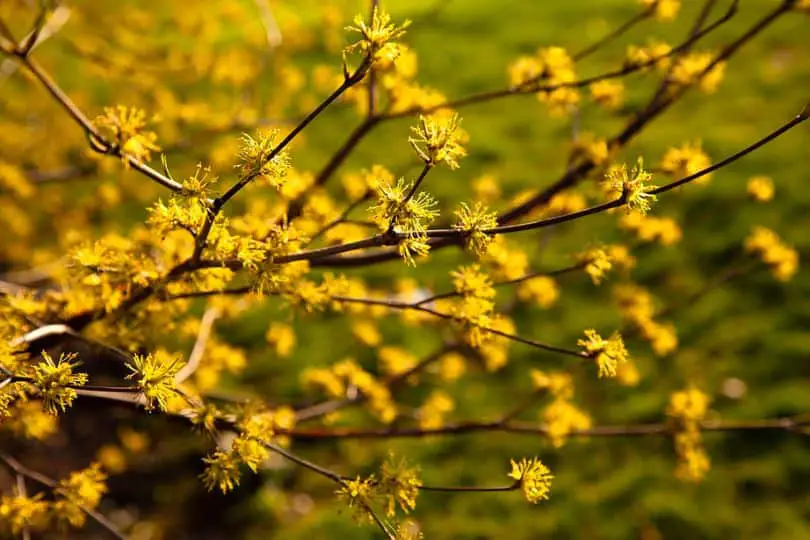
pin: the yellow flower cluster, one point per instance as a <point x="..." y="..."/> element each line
<point x="636" y="307"/>
<point x="437" y="139"/>
<point x="782" y="259"/>
<point x="79" y="491"/>
<point x="348" y="376"/>
<point x="410" y="217"/>
<point x="504" y="261"/>
<point x="433" y="411"/>
<point x="664" y="230"/>
<point x="359" y="495"/>
<point x="590" y="147"/>
<point x="534" y="478"/>
<point x="654" y="52"/>
<point x="75" y="495"/>
<point x="282" y="338"/>
<point x="597" y="263"/>
<point x="688" y="408"/>
<point x="607" y="93"/>
<point x="542" y="290"/>
<point x="398" y="485"/>
<point x="256" y="428"/>
<point x="258" y="158"/>
<point x="760" y="188"/>
<point x="693" y="68"/>
<point x="631" y="186"/>
<point x="686" y="160"/>
<point x="377" y="37"/>
<point x="561" y="416"/>
<point x="550" y="66"/>
<point x="664" y="10"/>
<point x="473" y="220"/>
<point x="609" y="354"/>
<point x="54" y="381"/>
<point x="154" y="375"/>
<point x="475" y="311"/>
<point x="125" y="128"/>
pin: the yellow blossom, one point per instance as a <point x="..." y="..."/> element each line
<point x="154" y="374"/>
<point x="631" y="186"/>
<point x="221" y="471"/>
<point x="760" y="188"/>
<point x="597" y="263"/>
<point x="534" y="478"/>
<point x="125" y="127"/>
<point x="686" y="160"/>
<point x="398" y="485"/>
<point x="780" y="258"/>
<point x="282" y="337"/>
<point x="55" y="381"/>
<point x="561" y="418"/>
<point x="609" y="354"/>
<point x="259" y="158"/>
<point x="433" y="411"/>
<point x="542" y="290"/>
<point x="664" y="10"/>
<point x="377" y="37"/>
<point x="437" y="139"/>
<point x="473" y="220"/>
<point x="609" y="94"/>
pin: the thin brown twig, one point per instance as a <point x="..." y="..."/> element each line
<point x="19" y="468"/>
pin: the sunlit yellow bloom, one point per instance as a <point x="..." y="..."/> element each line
<point x="437" y="139"/>
<point x="534" y="477"/>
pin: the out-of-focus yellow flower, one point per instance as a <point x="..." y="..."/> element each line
<point x="760" y="188"/>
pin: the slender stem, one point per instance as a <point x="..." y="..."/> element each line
<point x="20" y="469"/>
<point x="531" y="87"/>
<point x="616" y="33"/>
<point x="79" y="117"/>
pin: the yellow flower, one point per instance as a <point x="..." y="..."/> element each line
<point x="534" y="477"/>
<point x="688" y="405"/>
<point x="562" y="418"/>
<point x="542" y="290"/>
<point x="437" y="139"/>
<point x="377" y="37"/>
<point x="473" y="221"/>
<point x="433" y="411"/>
<point x="82" y="488"/>
<point x="221" y="471"/>
<point x="470" y="281"/>
<point x="632" y="186"/>
<point x="154" y="375"/>
<point x="255" y="159"/>
<point x="664" y="10"/>
<point x="781" y="258"/>
<point x="760" y="188"/>
<point x="54" y="381"/>
<point x="124" y="126"/>
<point x="399" y="484"/>
<point x="597" y="263"/>
<point x="609" y="354"/>
<point x="641" y="56"/>
<point x="282" y="337"/>
<point x="591" y="147"/>
<point x="486" y="188"/>
<point x="685" y="160"/>
<point x="691" y="68"/>
<point x="358" y="494"/>
<point x="609" y="94"/>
